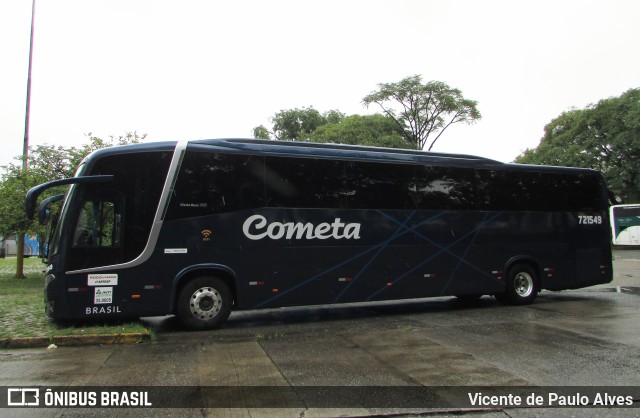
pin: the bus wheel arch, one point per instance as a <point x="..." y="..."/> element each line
<point x="522" y="282"/>
<point x="204" y="298"/>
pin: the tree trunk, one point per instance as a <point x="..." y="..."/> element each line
<point x="20" y="256"/>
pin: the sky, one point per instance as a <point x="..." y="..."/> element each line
<point x="192" y="69"/>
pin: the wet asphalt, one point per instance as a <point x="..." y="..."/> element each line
<point x="588" y="337"/>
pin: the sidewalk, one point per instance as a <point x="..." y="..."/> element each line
<point x="626" y="269"/>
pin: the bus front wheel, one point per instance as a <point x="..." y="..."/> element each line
<point x="522" y="286"/>
<point x="204" y="303"/>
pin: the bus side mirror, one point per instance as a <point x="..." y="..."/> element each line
<point x="43" y="210"/>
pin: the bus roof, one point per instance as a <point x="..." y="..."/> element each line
<point x="341" y="151"/>
<point x="335" y="151"/>
<point x="356" y="152"/>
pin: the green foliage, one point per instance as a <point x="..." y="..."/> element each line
<point x="297" y="124"/>
<point x="422" y="110"/>
<point x="372" y="130"/>
<point x="96" y="143"/>
<point x="333" y="116"/>
<point x="604" y="137"/>
<point x="417" y="111"/>
<point x="260" y="132"/>
<point x="334" y="127"/>
<point x="12" y="215"/>
<point x="46" y="163"/>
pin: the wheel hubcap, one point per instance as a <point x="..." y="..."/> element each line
<point x="206" y="302"/>
<point x="523" y="284"/>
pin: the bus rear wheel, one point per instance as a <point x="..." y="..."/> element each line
<point x="204" y="303"/>
<point x="522" y="286"/>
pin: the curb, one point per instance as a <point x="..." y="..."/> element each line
<point x="74" y="340"/>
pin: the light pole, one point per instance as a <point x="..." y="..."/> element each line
<point x="25" y="147"/>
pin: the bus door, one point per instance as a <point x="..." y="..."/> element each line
<point x="97" y="236"/>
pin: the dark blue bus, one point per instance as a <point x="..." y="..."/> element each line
<point x="201" y="228"/>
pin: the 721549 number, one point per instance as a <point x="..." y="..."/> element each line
<point x="589" y="220"/>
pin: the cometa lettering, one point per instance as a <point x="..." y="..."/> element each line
<point x="256" y="228"/>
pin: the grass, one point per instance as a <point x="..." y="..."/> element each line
<point x="22" y="307"/>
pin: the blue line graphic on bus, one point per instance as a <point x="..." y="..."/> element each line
<point x="381" y="247"/>
<point x="401" y="231"/>
<point x="442" y="249"/>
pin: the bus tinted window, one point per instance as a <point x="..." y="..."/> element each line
<point x="445" y="188"/>
<point x="211" y="183"/>
<point x="518" y="191"/>
<point x="304" y="183"/>
<point x="540" y="192"/>
<point x="582" y="192"/>
<point x="537" y="191"/>
<point x="380" y="186"/>
<point x="499" y="190"/>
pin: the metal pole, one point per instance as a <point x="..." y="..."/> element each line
<point x="25" y="148"/>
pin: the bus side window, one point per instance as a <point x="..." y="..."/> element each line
<point x="504" y="190"/>
<point x="380" y="186"/>
<point x="98" y="225"/>
<point x="445" y="188"/>
<point x="304" y="183"/>
<point x="210" y="183"/>
<point x="582" y="192"/>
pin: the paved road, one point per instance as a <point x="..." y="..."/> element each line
<point x="627" y="253"/>
<point x="589" y="337"/>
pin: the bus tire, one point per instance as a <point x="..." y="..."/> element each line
<point x="522" y="286"/>
<point x="204" y="303"/>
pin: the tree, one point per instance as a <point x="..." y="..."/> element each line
<point x="46" y="163"/>
<point x="12" y="216"/>
<point x="422" y="110"/>
<point x="372" y="130"/>
<point x="604" y="137"/>
<point x="260" y="132"/>
<point x="297" y="124"/>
